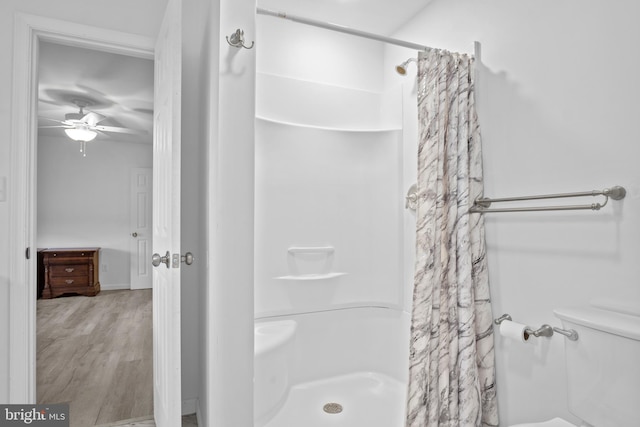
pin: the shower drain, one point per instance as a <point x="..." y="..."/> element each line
<point x="332" y="408"/>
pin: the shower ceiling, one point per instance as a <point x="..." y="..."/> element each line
<point x="382" y="17"/>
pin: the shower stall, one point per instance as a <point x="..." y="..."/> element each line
<point x="331" y="322"/>
<point x="333" y="238"/>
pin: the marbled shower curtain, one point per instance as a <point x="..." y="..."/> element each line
<point x="451" y="367"/>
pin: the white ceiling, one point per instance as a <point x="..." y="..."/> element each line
<point x="382" y="17"/>
<point x="121" y="87"/>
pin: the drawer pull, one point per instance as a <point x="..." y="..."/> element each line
<point x="68" y="281"/>
<point x="69" y="270"/>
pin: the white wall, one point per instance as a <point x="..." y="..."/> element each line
<point x="289" y="49"/>
<point x="195" y="23"/>
<point x="228" y="334"/>
<point x="558" y="112"/>
<point x="209" y="108"/>
<point x="85" y="201"/>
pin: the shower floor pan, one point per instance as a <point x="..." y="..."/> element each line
<point x="361" y="399"/>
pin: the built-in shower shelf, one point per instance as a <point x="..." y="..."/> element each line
<point x="307" y="277"/>
<point x="369" y="129"/>
<point x="311" y="250"/>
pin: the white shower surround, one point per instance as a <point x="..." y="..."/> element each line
<point x="329" y="250"/>
<point x="355" y="357"/>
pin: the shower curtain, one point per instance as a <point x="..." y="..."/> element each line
<point x="451" y="366"/>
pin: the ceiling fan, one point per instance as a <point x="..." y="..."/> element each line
<point x="84" y="126"/>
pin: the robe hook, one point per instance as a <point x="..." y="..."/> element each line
<point x="237" y="40"/>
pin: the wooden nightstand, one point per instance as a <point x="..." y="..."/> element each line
<point x="70" y="271"/>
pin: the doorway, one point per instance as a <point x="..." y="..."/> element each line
<point x="100" y="348"/>
<point x="29" y="32"/>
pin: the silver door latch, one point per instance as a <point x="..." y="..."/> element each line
<point x="176" y="259"/>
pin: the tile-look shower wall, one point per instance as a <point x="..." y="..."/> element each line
<point x="557" y="115"/>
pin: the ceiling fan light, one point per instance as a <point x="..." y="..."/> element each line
<point x="81" y="134"/>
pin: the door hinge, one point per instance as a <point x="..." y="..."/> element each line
<point x="27" y="253"/>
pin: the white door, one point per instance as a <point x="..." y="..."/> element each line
<point x="167" y="400"/>
<point x="140" y="228"/>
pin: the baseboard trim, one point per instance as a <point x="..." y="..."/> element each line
<point x="114" y="287"/>
<point x="199" y="414"/>
<point x="127" y="422"/>
<point x="189" y="406"/>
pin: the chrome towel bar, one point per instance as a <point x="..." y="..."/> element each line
<point x="482" y="205"/>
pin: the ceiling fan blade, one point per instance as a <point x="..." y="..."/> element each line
<point x="53" y="120"/>
<point x="120" y="130"/>
<point x="50" y="102"/>
<point x="57" y="127"/>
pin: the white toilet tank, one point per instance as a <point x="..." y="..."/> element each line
<point x="603" y="365"/>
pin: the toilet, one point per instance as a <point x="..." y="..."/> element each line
<point x="603" y="368"/>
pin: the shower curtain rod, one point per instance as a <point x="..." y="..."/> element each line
<point x="341" y="29"/>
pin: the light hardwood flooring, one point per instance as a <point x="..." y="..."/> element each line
<point x="95" y="353"/>
<point x="187" y="421"/>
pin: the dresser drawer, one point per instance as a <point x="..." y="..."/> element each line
<point x="69" y="281"/>
<point x="67" y="270"/>
<point x="65" y="254"/>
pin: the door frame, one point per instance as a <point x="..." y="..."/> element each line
<point x="28" y="31"/>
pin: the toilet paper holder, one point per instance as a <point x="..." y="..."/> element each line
<point x="544" y="330"/>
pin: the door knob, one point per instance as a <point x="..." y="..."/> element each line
<point x="187" y="258"/>
<point x="134" y="234"/>
<point x="156" y="259"/>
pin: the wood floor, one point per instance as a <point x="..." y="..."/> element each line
<point x="95" y="353"/>
<point x="187" y="421"/>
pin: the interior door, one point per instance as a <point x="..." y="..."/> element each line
<point x="167" y="399"/>
<point x="140" y="226"/>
